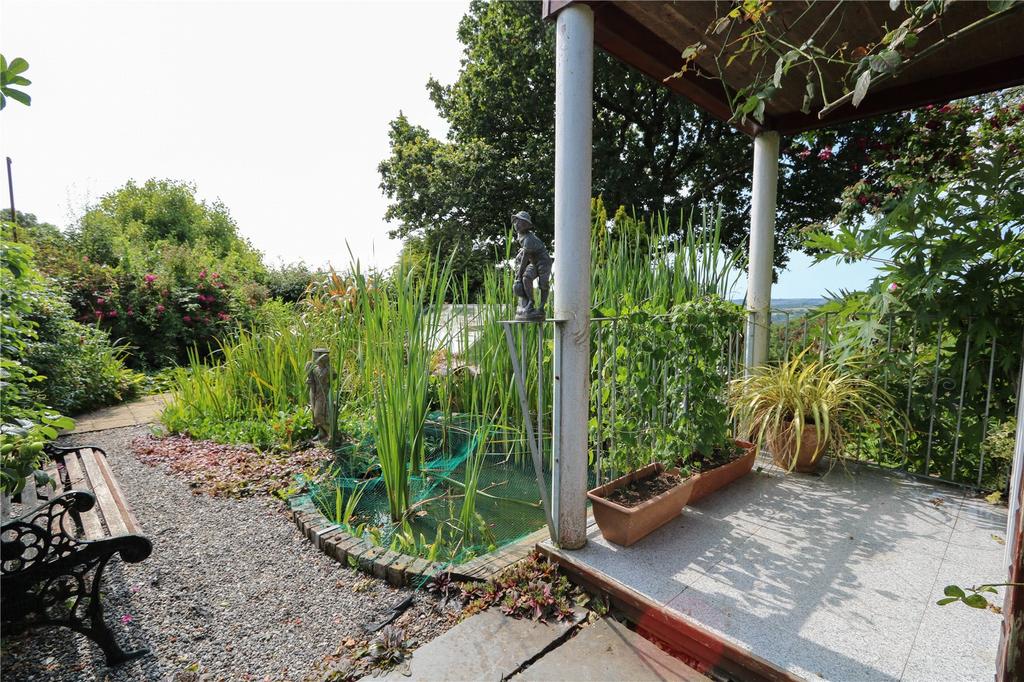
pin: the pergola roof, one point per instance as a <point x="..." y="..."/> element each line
<point x="650" y="36"/>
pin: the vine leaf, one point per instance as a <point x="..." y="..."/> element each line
<point x="861" y="88"/>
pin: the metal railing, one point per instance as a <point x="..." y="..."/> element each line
<point x="952" y="384"/>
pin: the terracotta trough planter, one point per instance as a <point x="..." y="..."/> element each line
<point x="625" y="525"/>
<point x="711" y="480"/>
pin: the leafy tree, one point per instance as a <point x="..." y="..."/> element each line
<point x="940" y="207"/>
<point x="158" y="211"/>
<point x="156" y="268"/>
<point x="653" y="150"/>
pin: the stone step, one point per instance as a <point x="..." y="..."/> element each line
<point x="608" y="650"/>
<point x="486" y="646"/>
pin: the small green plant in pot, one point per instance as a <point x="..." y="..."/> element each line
<point x="802" y="408"/>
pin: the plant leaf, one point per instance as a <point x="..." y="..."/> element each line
<point x="861" y="88"/>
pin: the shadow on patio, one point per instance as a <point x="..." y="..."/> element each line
<point x="834" y="576"/>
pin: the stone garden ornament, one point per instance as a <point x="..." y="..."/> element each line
<point x="532" y="262"/>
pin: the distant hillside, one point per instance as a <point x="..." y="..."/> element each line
<point x="793" y="306"/>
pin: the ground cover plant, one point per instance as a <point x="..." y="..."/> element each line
<point x="228" y="471"/>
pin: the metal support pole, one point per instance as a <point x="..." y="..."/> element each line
<point x="1009" y="662"/>
<point x="574" y="75"/>
<point x="10" y="191"/>
<point x="762" y="247"/>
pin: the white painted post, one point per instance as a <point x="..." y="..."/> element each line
<point x="574" y="76"/>
<point x="762" y="247"/>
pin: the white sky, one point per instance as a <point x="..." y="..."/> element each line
<point x="279" y="109"/>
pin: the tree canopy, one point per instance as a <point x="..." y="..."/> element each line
<point x="653" y="151"/>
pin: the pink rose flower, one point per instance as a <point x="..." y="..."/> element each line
<point x="130" y="312"/>
<point x="825" y="154"/>
<point x="202" y="274"/>
<point x="160" y="308"/>
<point x="187" y="319"/>
<point x="112" y="313"/>
<point x="894" y="287"/>
<point x="100" y="300"/>
<point x="150" y="278"/>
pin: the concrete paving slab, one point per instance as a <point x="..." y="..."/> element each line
<point x="487" y="646"/>
<point x="955" y="642"/>
<point x="608" y="650"/>
<point x="840" y="579"/>
<point x="145" y="410"/>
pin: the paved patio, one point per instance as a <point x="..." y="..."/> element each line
<point x="145" y="410"/>
<point x="831" y="577"/>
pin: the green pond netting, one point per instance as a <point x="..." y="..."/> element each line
<point x="507" y="503"/>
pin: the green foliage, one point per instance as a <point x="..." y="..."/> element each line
<point x="940" y="209"/>
<point x="289" y="282"/>
<point x="26" y="424"/>
<point x="83" y="369"/>
<point x="652" y="150"/>
<point x="662" y="393"/>
<point x="998" y="450"/>
<point x="398" y="340"/>
<point x="976" y="599"/>
<point x="156" y="268"/>
<point x="10" y="76"/>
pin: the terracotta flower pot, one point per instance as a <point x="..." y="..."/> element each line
<point x="783" y="448"/>
<point x="625" y="525"/>
<point x="711" y="480"/>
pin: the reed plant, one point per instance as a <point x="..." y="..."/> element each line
<point x="399" y="334"/>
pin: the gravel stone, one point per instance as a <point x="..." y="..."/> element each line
<point x="232" y="591"/>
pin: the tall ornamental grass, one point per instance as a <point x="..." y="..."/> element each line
<point x="399" y="334"/>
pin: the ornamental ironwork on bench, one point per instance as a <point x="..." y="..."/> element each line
<point x="53" y="557"/>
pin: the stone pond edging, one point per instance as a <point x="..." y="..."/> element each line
<point x="397" y="568"/>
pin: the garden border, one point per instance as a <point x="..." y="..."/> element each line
<point x="397" y="568"/>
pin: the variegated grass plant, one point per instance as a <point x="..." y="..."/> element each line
<point x="777" y="401"/>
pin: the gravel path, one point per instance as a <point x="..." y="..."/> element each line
<point x="232" y="591"/>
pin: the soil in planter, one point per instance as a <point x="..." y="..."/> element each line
<point x="644" y="489"/>
<point x="720" y="457"/>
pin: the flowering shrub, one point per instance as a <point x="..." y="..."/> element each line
<point x="158" y="270"/>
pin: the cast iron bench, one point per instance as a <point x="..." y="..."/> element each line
<point x="53" y="556"/>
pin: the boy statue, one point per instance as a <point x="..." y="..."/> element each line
<point x="533" y="262"/>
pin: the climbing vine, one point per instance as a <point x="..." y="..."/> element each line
<point x="752" y="30"/>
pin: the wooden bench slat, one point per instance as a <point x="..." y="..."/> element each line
<point x="104" y="497"/>
<point x="29" y="499"/>
<point x="123" y="509"/>
<point x="77" y="481"/>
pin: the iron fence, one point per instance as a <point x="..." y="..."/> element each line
<point x="952" y="384"/>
